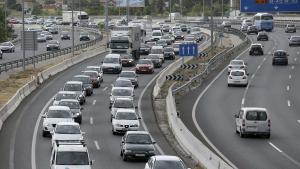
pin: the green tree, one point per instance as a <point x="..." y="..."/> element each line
<point x="37" y="9"/>
<point x="4" y="34"/>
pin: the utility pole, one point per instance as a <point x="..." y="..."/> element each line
<point x="203" y="8"/>
<point x="106" y="21"/>
<point x="5" y="16"/>
<point x="79" y="13"/>
<point x="73" y="36"/>
<point x="170" y="5"/>
<point x="127" y="6"/>
<point x="222" y="9"/>
<point x="180" y="7"/>
<point x="23" y="32"/>
<point x="211" y="25"/>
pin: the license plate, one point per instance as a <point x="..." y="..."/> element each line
<point x="252" y="128"/>
<point x="236" y="81"/>
<point x="140" y="155"/>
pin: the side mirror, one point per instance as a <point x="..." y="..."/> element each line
<point x="289" y="38"/>
<point x="136" y="107"/>
<point x="107" y="45"/>
<point x="139" y="118"/>
<point x="44" y="116"/>
<point x="54" y="98"/>
<point x="92" y="162"/>
<point x="83" y="133"/>
<point x="236" y="116"/>
<point x="101" y="61"/>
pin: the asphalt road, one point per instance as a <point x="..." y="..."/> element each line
<point x="17" y="134"/>
<point x="274" y="87"/>
<point x="18" y="54"/>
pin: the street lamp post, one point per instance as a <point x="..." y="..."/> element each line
<point x="73" y="36"/>
<point x="211" y="25"/>
<point x="127" y="7"/>
<point x="23" y="32"/>
<point x="222" y="9"/>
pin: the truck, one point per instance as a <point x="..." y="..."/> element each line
<point x="125" y="40"/>
<point x="80" y="18"/>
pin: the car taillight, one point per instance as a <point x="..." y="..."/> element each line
<point x="242" y="67"/>
<point x="269" y="123"/>
<point x="230" y="77"/>
<point x="244" y="77"/>
<point x="243" y="123"/>
<point x="230" y="66"/>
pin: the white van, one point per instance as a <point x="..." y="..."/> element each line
<point x="158" y="50"/>
<point x="156" y="35"/>
<point x="254" y="121"/>
<point x="112" y="64"/>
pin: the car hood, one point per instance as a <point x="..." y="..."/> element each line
<point x="75" y="110"/>
<point x="138" y="147"/>
<point x="114" y="110"/>
<point x="110" y="65"/>
<point x="67" y="137"/>
<point x="72" y="167"/>
<point x="143" y="65"/>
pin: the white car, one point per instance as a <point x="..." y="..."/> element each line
<point x="237" y="64"/>
<point x="156" y="35"/>
<point x="165" y="161"/>
<point x="125" y="120"/>
<point x="55" y="115"/>
<point x="237" y="77"/>
<point x="121" y="92"/>
<point x="158" y="50"/>
<point x="67" y="131"/>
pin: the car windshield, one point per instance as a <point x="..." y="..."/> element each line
<point x="256" y="115"/>
<point x="119" y="45"/>
<point x="73" y="87"/>
<point x="156" y="51"/>
<point x="121" y="92"/>
<point x="156" y="34"/>
<point x="127" y="74"/>
<point x="267" y="17"/>
<point x="126" y="116"/>
<point x="256" y="46"/>
<point x="5" y="44"/>
<point x="162" y="164"/>
<point x="168" y="49"/>
<point x="144" y="61"/>
<point x="290" y="25"/>
<point x="65" y="96"/>
<point x="72" y="158"/>
<point x="237" y="73"/>
<point x="111" y="60"/>
<point x="123" y="83"/>
<point x="280" y="54"/>
<point x="123" y="104"/>
<point x="58" y="114"/>
<point x="235" y="62"/>
<point x="138" y="139"/>
<point x="64" y="33"/>
<point x="195" y="29"/>
<point x="67" y="129"/>
<point x="91" y="74"/>
<point x="84" y="34"/>
<point x="71" y="105"/>
<point x="83" y="79"/>
<point x="295" y="38"/>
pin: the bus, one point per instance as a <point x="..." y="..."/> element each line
<point x="263" y="21"/>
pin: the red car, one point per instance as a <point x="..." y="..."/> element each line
<point x="144" y="66"/>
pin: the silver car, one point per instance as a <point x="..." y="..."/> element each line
<point x="294" y="41"/>
<point x="130" y="75"/>
<point x="7" y="47"/>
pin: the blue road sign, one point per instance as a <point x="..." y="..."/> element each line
<point x="254" y="6"/>
<point x="190" y="49"/>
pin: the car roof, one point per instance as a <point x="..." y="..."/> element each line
<point x="73" y="82"/>
<point x="137" y="132"/>
<point x="128" y="71"/>
<point x="124" y="98"/>
<point x="157" y="47"/>
<point x="68" y="100"/>
<point x="280" y="50"/>
<point x="254" y="108"/>
<point x="237" y="70"/>
<point x="94" y="71"/>
<point x="123" y="79"/>
<point x="81" y="76"/>
<point x="256" y="44"/>
<point x="71" y="147"/>
<point x="66" y="92"/>
<point x="59" y="108"/>
<point x="93" y="67"/>
<point x="166" y="157"/>
<point x="126" y="110"/>
<point x="124" y="88"/>
<point x="69" y="123"/>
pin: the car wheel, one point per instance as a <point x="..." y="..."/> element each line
<point x="124" y="157"/>
<point x="242" y="135"/>
<point x="44" y="134"/>
<point x="268" y="135"/>
<point x="229" y="85"/>
<point x="114" y="133"/>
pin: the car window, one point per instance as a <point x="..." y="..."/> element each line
<point x="65" y="96"/>
<point x="144" y="61"/>
<point x="256" y="116"/>
<point x="67" y="129"/>
<point x="295" y="38"/>
<point x="73" y="87"/>
<point x="127" y="74"/>
<point x="156" y="34"/>
<point x="123" y="104"/>
<point x="126" y="116"/>
<point x="58" y="114"/>
<point x="280" y="54"/>
<point x="123" y="83"/>
<point x="82" y="79"/>
<point x="138" y="139"/>
<point x="121" y="92"/>
<point x="91" y="74"/>
<point x="111" y="60"/>
<point x="72" y="158"/>
<point x="169" y="49"/>
<point x="163" y="164"/>
<point x="237" y="73"/>
<point x="234" y="62"/>
<point x="156" y="51"/>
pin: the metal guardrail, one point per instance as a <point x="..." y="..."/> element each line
<point x="214" y="63"/>
<point x="4" y="67"/>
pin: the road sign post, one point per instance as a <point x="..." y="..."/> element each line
<point x="188" y="49"/>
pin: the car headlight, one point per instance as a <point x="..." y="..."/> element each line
<point x="135" y="125"/>
<point x="128" y="151"/>
<point x="118" y="125"/>
<point x="151" y="151"/>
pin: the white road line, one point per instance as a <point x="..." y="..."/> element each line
<point x="265" y="58"/>
<point x="298" y="53"/>
<point x="295" y="59"/>
<point x="104" y="88"/>
<point x="289" y="103"/>
<point x="91" y="120"/>
<point x="243" y="102"/>
<point x="253" y="75"/>
<point x="269" y="53"/>
<point x="288" y="88"/>
<point x="276" y="148"/>
<point x="112" y="85"/>
<point x="293" y="67"/>
<point x="259" y="66"/>
<point x="94" y="102"/>
<point x="34" y="137"/>
<point x="96" y="144"/>
<point x="290" y="76"/>
<point x="298" y="121"/>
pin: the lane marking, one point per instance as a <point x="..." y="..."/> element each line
<point x="298" y="53"/>
<point x="289" y="103"/>
<point x="253" y="75"/>
<point x="293" y="67"/>
<point x="265" y="58"/>
<point x="91" y="120"/>
<point x="104" y="88"/>
<point x="288" y="88"/>
<point x="290" y="76"/>
<point x="243" y="102"/>
<point x="259" y="66"/>
<point x="295" y="59"/>
<point x="298" y="121"/>
<point x="94" y="102"/>
<point x="276" y="148"/>
<point x="96" y="144"/>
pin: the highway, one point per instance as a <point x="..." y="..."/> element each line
<point x="210" y="109"/>
<point x="23" y="128"/>
<point x="18" y="54"/>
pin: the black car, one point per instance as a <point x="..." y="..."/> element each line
<point x="87" y="83"/>
<point x="251" y="30"/>
<point x="84" y="36"/>
<point x="178" y="36"/>
<point x="262" y="36"/>
<point x="169" y="53"/>
<point x="155" y="60"/>
<point x="65" y="35"/>
<point x="144" y="49"/>
<point x="280" y="57"/>
<point x="184" y="28"/>
<point x="256" y="49"/>
<point x="127" y="60"/>
<point x="137" y="145"/>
